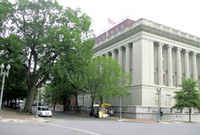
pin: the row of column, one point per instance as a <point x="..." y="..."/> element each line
<point x="123" y="55"/>
<point x="179" y="64"/>
<point x="178" y="72"/>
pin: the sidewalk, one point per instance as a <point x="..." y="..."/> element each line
<point x="115" y="118"/>
<point x="14" y="115"/>
<point x="133" y="120"/>
<point x="86" y="115"/>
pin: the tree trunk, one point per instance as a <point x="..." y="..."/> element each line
<point x="190" y="110"/>
<point x="101" y="100"/>
<point x="54" y="106"/>
<point x="64" y="104"/>
<point x="7" y="103"/>
<point x="76" y="98"/>
<point x="30" y="100"/>
<point x="15" y="103"/>
<point x="92" y="108"/>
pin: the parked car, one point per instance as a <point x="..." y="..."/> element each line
<point x="43" y="111"/>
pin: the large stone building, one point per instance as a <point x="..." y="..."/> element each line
<point x="156" y="56"/>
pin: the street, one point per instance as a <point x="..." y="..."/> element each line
<point x="63" y="124"/>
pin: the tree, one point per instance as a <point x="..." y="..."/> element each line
<point x="65" y="80"/>
<point x="188" y="97"/>
<point x="58" y="90"/>
<point x="5" y="12"/>
<point x="44" y="32"/>
<point x="103" y="78"/>
<point x="15" y="85"/>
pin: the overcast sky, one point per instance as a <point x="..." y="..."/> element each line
<point x="183" y="15"/>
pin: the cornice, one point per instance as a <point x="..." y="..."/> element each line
<point x="150" y="27"/>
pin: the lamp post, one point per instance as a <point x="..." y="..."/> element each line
<point x="120" y="109"/>
<point x="4" y="74"/>
<point x="38" y="95"/>
<point x="159" y="94"/>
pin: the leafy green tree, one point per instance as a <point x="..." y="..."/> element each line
<point x="39" y="34"/>
<point x="15" y="85"/>
<point x="5" y="12"/>
<point x="104" y="77"/>
<point x="66" y="75"/>
<point x="58" y="91"/>
<point x="188" y="97"/>
<point x="53" y="95"/>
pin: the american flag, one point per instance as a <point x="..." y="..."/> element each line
<point x="110" y="21"/>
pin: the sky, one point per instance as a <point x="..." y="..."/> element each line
<point x="183" y="15"/>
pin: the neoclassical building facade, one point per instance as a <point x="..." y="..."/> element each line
<point x="156" y="56"/>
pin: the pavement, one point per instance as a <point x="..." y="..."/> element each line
<point x="14" y="115"/>
<point x="13" y="122"/>
<point x="85" y="115"/>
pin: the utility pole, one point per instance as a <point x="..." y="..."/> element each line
<point x="159" y="104"/>
<point x="37" y="103"/>
<point x="120" y="109"/>
<point x="4" y="73"/>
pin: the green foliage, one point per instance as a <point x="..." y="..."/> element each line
<point x="104" y="78"/>
<point x="58" y="90"/>
<point x="5" y="12"/>
<point x="16" y="84"/>
<point x="67" y="73"/>
<point x="188" y="97"/>
<point x="99" y="77"/>
<point x="39" y="36"/>
<point x="54" y="94"/>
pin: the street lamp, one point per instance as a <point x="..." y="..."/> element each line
<point x="120" y="109"/>
<point x="4" y="74"/>
<point x="159" y="94"/>
<point x="38" y="99"/>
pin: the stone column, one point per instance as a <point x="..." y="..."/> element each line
<point x="132" y="62"/>
<point x="195" y="74"/>
<point x="187" y="71"/>
<point x="113" y="54"/>
<point x="179" y="67"/>
<point x="120" y="56"/>
<point x="106" y="54"/>
<point x="170" y="78"/>
<point x="160" y="63"/>
<point x="127" y="65"/>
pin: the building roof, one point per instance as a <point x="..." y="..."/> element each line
<point x="114" y="29"/>
<point x="132" y="27"/>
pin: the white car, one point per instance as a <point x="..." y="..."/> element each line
<point x="42" y="111"/>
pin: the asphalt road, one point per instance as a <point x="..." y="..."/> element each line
<point x="90" y="126"/>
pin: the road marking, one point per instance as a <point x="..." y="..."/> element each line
<point x="75" y="129"/>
